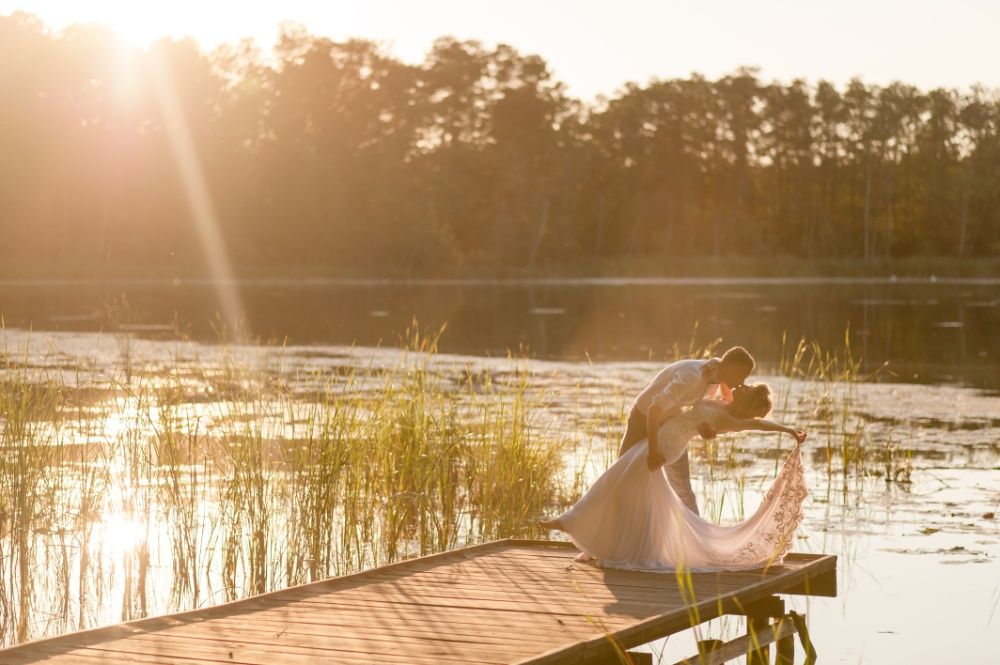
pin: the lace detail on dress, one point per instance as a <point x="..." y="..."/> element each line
<point x="681" y="429"/>
<point x="782" y="514"/>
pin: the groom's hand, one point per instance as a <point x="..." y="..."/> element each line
<point x="654" y="460"/>
<point x="706" y="431"/>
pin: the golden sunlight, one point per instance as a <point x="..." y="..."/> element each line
<point x="118" y="534"/>
<point x="499" y="332"/>
<point x="135" y="28"/>
<point x="140" y="24"/>
<point x="137" y="24"/>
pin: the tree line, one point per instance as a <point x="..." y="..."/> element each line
<point x="335" y="156"/>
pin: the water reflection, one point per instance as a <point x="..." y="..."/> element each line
<point x="928" y="332"/>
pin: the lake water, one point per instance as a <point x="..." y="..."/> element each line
<point x="913" y="516"/>
<point x="928" y="331"/>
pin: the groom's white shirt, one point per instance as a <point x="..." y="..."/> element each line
<point x="679" y="384"/>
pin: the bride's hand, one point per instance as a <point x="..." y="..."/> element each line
<point x="654" y="460"/>
<point x="799" y="435"/>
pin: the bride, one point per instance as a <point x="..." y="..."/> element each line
<point x="632" y="518"/>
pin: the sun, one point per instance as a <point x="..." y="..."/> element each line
<point x="140" y="24"/>
<point x="118" y="534"/>
<point x="134" y="24"/>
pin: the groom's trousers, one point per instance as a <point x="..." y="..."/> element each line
<point x="678" y="473"/>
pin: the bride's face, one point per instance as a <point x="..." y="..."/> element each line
<point x="752" y="401"/>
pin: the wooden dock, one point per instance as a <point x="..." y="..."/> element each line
<point x="511" y="601"/>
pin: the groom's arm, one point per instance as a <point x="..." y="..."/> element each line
<point x="654" y="419"/>
<point x="665" y="405"/>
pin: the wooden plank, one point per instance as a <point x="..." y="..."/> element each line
<point x="289" y="632"/>
<point x="743" y="644"/>
<point x="771" y="606"/>
<point x="95" y="656"/>
<point x="61" y="656"/>
<point x="567" y="603"/>
<point x="146" y="645"/>
<point x="421" y="584"/>
<point x="458" y="594"/>
<point x="263" y="653"/>
<point x="379" y="614"/>
<point x="543" y="593"/>
<point x="335" y="637"/>
<point x="376" y="609"/>
<point x="556" y="608"/>
<point x="505" y="569"/>
<point x="824" y="584"/>
<point x="373" y="615"/>
<point x="506" y="574"/>
<point x="577" y="587"/>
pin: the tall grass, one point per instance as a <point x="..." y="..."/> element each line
<point x="27" y="441"/>
<point x="176" y="490"/>
<point x="831" y="378"/>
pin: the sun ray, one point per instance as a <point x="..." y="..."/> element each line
<point x="199" y="198"/>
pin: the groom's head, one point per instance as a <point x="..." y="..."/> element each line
<point x="737" y="363"/>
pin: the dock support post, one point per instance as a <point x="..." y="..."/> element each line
<point x="758" y="654"/>
<point x="785" y="646"/>
<point x="800" y="627"/>
<point x="640" y="657"/>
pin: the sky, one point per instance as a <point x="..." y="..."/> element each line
<point x="595" y="46"/>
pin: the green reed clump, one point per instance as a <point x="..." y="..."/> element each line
<point x="513" y="469"/>
<point x="810" y="361"/>
<point x="317" y="463"/>
<point x="829" y="378"/>
<point x="184" y="488"/>
<point x="250" y="489"/>
<point x="27" y="451"/>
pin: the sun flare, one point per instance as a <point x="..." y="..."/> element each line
<point x="119" y="533"/>
<point x="134" y="24"/>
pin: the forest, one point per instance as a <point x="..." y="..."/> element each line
<point x="327" y="157"/>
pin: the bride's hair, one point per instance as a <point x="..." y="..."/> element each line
<point x="752" y="401"/>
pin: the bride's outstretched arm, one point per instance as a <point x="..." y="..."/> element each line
<point x="730" y="424"/>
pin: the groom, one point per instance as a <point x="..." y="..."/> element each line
<point x="681" y="384"/>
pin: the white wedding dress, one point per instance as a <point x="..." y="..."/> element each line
<point x="632" y="518"/>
